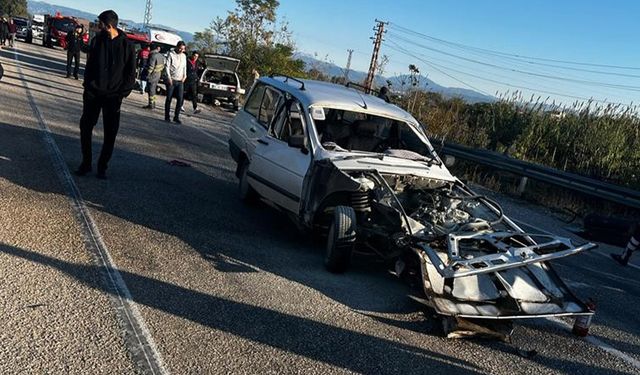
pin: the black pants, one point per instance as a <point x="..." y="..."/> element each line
<point x="191" y="91"/>
<point x="176" y="89"/>
<point x="91" y="109"/>
<point x="71" y="55"/>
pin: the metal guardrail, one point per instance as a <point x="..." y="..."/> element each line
<point x="571" y="181"/>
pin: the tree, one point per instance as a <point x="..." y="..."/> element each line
<point x="13" y="7"/>
<point x="251" y="33"/>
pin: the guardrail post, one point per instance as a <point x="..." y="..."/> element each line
<point x="523" y="185"/>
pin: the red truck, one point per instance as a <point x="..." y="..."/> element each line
<point x="56" y="29"/>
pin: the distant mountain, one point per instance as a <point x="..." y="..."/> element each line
<point x="41" y="7"/>
<point x="332" y="69"/>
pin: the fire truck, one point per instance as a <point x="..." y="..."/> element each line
<point x="55" y="29"/>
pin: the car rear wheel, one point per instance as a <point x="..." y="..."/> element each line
<point x="341" y="240"/>
<point x="247" y="193"/>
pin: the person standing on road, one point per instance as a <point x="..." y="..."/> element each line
<point x="75" y="44"/>
<point x="176" y="74"/>
<point x="4" y="31"/>
<point x="13" y="30"/>
<point x="109" y="77"/>
<point x="632" y="245"/>
<point x="193" y="77"/>
<point x="155" y="67"/>
<point x="384" y="94"/>
<point x="141" y="62"/>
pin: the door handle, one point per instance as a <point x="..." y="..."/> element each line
<point x="263" y="142"/>
<point x="252" y="129"/>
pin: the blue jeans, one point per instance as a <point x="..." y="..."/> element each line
<point x="176" y="89"/>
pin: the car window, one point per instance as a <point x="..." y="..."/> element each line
<point x="290" y="121"/>
<point x="255" y="99"/>
<point x="269" y="105"/>
<point x="64" y="25"/>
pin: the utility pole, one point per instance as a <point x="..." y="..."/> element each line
<point x="346" y="73"/>
<point x="379" y="29"/>
<point x="147" y="14"/>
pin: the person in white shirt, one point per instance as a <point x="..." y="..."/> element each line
<point x="176" y="74"/>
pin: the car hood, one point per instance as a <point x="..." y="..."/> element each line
<point x="392" y="165"/>
<point x="222" y="63"/>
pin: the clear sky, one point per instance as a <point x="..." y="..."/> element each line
<point x="589" y="31"/>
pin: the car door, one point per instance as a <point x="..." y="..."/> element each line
<point x="252" y="122"/>
<point x="278" y="168"/>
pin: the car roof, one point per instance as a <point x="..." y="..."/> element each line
<point x="331" y="95"/>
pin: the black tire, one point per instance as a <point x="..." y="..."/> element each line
<point x="247" y="193"/>
<point x="341" y="240"/>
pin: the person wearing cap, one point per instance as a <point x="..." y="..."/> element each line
<point x="75" y="44"/>
<point x="109" y="77"/>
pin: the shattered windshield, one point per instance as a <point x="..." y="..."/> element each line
<point x="343" y="130"/>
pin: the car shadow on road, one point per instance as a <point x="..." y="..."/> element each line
<point x="339" y="347"/>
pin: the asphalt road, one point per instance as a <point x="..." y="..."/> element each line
<point x="211" y="285"/>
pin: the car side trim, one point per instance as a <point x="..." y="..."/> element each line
<point x="271" y="185"/>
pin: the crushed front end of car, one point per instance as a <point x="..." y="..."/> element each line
<point x="476" y="268"/>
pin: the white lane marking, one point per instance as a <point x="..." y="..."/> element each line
<point x="208" y="134"/>
<point x="599" y="343"/>
<point x="122" y="299"/>
<point x="589" y="252"/>
<point x="592" y="340"/>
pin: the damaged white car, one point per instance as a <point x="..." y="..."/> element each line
<point x="363" y="172"/>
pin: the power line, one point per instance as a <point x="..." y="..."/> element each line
<point x="586" y="82"/>
<point x="436" y="66"/>
<point x="409" y="31"/>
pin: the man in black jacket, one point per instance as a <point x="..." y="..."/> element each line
<point x="109" y="77"/>
<point x="75" y="44"/>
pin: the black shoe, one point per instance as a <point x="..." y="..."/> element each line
<point x="177" y="121"/>
<point x="618" y="258"/>
<point x="68" y="75"/>
<point x="76" y="77"/>
<point x="167" y="119"/>
<point x="101" y="175"/>
<point x="82" y="170"/>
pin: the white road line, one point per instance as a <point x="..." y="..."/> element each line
<point x="594" y="341"/>
<point x="214" y="137"/>
<point x="141" y="345"/>
<point x="599" y="343"/>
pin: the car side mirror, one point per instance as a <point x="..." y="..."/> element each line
<point x="299" y="141"/>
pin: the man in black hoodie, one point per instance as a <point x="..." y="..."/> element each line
<point x="109" y="77"/>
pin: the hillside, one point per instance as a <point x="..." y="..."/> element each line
<point x="41" y="7"/>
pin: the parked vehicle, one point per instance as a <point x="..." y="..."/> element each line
<point x="23" y="29"/>
<point x="219" y="80"/>
<point x="56" y="29"/>
<point x="37" y="29"/>
<point x="362" y="172"/>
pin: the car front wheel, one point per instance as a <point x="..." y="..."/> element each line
<point x="341" y="240"/>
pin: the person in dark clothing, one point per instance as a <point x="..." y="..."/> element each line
<point x="109" y="77"/>
<point x="384" y="94"/>
<point x="75" y="44"/>
<point x="4" y="31"/>
<point x="191" y="85"/>
<point x="141" y="62"/>
<point x="632" y="246"/>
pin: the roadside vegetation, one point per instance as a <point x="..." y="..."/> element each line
<point x="597" y="140"/>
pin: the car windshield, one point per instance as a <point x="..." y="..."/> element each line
<point x="357" y="131"/>
<point x="64" y="25"/>
<point x="20" y="23"/>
